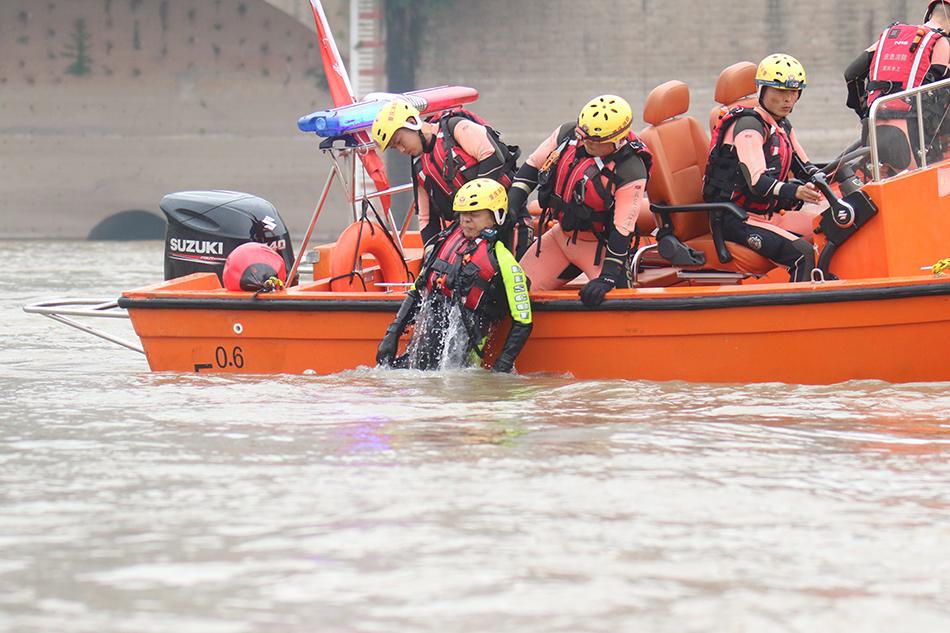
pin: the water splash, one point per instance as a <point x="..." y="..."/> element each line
<point x="440" y="340"/>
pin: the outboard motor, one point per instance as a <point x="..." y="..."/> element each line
<point x="205" y="226"/>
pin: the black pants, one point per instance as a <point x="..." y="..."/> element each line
<point x="796" y="255"/>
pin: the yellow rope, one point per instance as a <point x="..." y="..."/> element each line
<point x="939" y="268"/>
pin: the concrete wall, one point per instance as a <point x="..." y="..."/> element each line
<point x="172" y="95"/>
<point x="537" y="63"/>
<point x="186" y="94"/>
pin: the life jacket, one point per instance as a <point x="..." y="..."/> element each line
<point x="447" y="166"/>
<point x="571" y="183"/>
<point x="900" y="62"/>
<point x="463" y="269"/>
<point x="723" y="180"/>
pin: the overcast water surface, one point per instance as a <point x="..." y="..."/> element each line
<point x="400" y="501"/>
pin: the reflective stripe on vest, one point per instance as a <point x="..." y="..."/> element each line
<point x="901" y="59"/>
<point x="448" y="166"/>
<point x="463" y="269"/>
<point x="434" y="166"/>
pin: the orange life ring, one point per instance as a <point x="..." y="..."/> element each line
<point x="353" y="243"/>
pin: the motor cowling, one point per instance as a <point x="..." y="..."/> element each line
<point x="204" y="227"/>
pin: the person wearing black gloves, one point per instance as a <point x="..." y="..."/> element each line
<point x="447" y="151"/>
<point x="750" y="162"/>
<point x="469" y="282"/>
<point x="591" y="176"/>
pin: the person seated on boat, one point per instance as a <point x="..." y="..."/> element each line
<point x="468" y="282"/>
<point x="591" y="176"/>
<point x="905" y="56"/>
<point x="753" y="153"/>
<point x="447" y="151"/>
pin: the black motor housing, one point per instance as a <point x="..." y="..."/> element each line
<point x="205" y="226"/>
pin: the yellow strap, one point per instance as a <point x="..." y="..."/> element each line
<point x="941" y="266"/>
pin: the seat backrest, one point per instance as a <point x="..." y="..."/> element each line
<point x="680" y="149"/>
<point x="735" y="87"/>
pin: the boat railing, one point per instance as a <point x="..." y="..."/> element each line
<point x="356" y="195"/>
<point x="927" y="105"/>
<point x="61" y="309"/>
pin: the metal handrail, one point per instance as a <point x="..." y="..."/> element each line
<point x="386" y="192"/>
<point x="337" y="172"/>
<point x="872" y="122"/>
<point x="60" y="309"/>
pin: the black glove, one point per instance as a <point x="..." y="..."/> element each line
<point x="431" y="229"/>
<point x="525" y="234"/>
<point x="517" y="201"/>
<point x="386" y="351"/>
<point x="517" y="337"/>
<point x="593" y="293"/>
<point x="388" y="347"/>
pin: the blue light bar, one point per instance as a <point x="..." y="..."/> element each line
<point x="339" y="121"/>
<point x="360" y="116"/>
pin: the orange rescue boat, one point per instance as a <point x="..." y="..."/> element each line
<point x="877" y="308"/>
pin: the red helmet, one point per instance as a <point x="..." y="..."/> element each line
<point x="933" y="7"/>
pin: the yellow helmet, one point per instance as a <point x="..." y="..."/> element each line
<point x="393" y="116"/>
<point x="780" y="71"/>
<point x="605" y="119"/>
<point x="482" y="194"/>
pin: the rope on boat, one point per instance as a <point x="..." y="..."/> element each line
<point x="941" y="266"/>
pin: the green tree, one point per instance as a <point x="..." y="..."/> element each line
<point x="78" y="50"/>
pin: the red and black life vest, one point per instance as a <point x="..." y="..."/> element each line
<point x="463" y="269"/>
<point x="901" y="61"/>
<point x="572" y="187"/>
<point x="723" y="180"/>
<point x="447" y="166"/>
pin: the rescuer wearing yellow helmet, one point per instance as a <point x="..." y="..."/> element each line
<point x="591" y="175"/>
<point x="447" y="151"/>
<point x="468" y="269"/>
<point x="754" y="153"/>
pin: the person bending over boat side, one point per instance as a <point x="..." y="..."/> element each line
<point x="591" y="176"/>
<point x="470" y="277"/>
<point x="905" y="56"/>
<point x="447" y="151"/>
<point x="752" y="154"/>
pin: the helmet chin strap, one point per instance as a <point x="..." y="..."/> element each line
<point x="430" y="143"/>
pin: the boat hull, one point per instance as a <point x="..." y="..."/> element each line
<point x="897" y="330"/>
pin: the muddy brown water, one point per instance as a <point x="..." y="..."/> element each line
<point x="400" y="501"/>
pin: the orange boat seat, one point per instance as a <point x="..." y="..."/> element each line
<point x="680" y="149"/>
<point x="735" y="87"/>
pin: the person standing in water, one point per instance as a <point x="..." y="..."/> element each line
<point x="753" y="153"/>
<point x="469" y="282"/>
